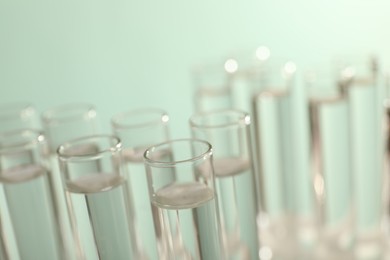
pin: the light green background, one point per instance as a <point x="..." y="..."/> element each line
<point x="121" y="55"/>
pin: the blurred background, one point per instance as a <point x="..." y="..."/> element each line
<point x="121" y="55"/>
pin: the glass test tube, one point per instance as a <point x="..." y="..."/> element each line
<point x="13" y="116"/>
<point x="331" y="164"/>
<point x="138" y="129"/>
<point x="25" y="175"/>
<point x="287" y="210"/>
<point x="212" y="86"/>
<point x="187" y="207"/>
<point x="228" y="84"/>
<point x="62" y="123"/>
<point x="365" y="100"/>
<point x="228" y="131"/>
<point x="98" y="197"/>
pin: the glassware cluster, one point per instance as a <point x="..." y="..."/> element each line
<point x="282" y="163"/>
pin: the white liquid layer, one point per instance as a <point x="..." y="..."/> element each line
<point x="188" y="221"/>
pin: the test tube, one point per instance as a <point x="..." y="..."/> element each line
<point x="13" y="116"/>
<point x="287" y="219"/>
<point x="138" y="129"/>
<point x="98" y="197"/>
<point x="25" y="176"/>
<point x="62" y="123"/>
<point x="331" y="164"/>
<point x="365" y="101"/>
<point x="212" y="86"/>
<point x="187" y="207"/>
<point x="228" y="131"/>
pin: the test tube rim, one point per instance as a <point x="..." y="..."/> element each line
<point x="116" y="147"/>
<point x="161" y="117"/>
<point x="36" y="137"/>
<point x="205" y="155"/>
<point x="54" y="115"/>
<point x="243" y="118"/>
<point x="10" y="109"/>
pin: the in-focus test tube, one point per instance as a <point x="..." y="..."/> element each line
<point x="187" y="206"/>
<point x="98" y="198"/>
